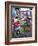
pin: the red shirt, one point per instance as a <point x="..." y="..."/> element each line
<point x="17" y="24"/>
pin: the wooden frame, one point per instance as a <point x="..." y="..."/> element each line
<point x="7" y="22"/>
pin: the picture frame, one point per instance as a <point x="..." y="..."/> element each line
<point x="29" y="12"/>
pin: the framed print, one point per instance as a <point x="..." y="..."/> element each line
<point x="20" y="22"/>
